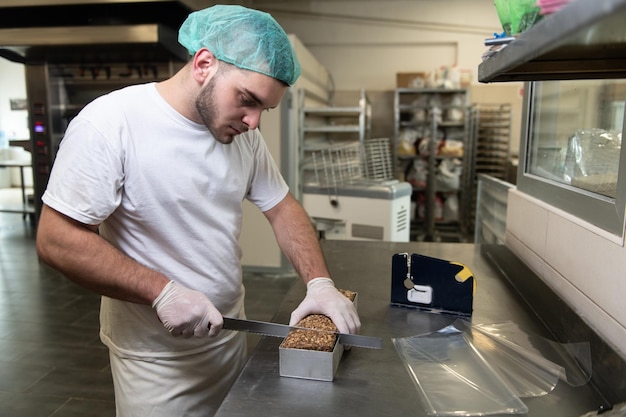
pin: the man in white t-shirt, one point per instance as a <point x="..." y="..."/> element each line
<point x="144" y="206"/>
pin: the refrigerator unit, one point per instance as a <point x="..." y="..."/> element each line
<point x="361" y="211"/>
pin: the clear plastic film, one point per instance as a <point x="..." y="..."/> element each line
<point x="572" y="359"/>
<point x="528" y="374"/>
<point x="592" y="160"/>
<point x="453" y="378"/>
<point x="476" y="370"/>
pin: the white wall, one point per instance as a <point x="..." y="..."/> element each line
<point x="365" y="43"/>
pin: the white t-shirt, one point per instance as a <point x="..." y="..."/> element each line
<point x="169" y="196"/>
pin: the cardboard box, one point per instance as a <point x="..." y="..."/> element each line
<point x="411" y="79"/>
<point x="310" y="364"/>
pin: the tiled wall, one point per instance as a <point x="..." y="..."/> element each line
<point x="583" y="264"/>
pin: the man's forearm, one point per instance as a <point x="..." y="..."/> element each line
<point x="90" y="261"/>
<point x="297" y="239"/>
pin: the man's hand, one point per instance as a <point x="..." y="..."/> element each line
<point x="185" y="312"/>
<point x="323" y="298"/>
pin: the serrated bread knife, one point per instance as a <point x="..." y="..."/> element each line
<point x="282" y="330"/>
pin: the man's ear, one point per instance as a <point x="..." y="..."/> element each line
<point x="204" y="65"/>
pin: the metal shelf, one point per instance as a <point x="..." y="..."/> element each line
<point x="332" y="128"/>
<point x="439" y="91"/>
<point x="334" y="111"/>
<point x="330" y="119"/>
<point x="583" y="40"/>
<point x="332" y="138"/>
<point x="434" y="104"/>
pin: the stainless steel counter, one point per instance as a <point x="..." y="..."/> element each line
<point x="375" y="382"/>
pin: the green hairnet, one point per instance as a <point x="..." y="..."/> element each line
<point x="246" y="38"/>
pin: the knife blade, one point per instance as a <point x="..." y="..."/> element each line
<point x="282" y="330"/>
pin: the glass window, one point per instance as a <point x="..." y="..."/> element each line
<point x="576" y="131"/>
<point x="572" y="148"/>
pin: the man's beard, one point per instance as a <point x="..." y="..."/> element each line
<point x="206" y="105"/>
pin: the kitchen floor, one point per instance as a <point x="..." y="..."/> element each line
<point x="52" y="361"/>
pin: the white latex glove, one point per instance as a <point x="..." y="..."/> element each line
<point x="323" y="298"/>
<point x="185" y="312"/>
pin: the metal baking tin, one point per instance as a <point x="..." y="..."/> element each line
<point x="311" y="364"/>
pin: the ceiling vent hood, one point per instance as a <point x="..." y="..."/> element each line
<point x="111" y="43"/>
<point x="96" y="31"/>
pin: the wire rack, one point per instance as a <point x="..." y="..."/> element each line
<point x="377" y="159"/>
<point x="354" y="163"/>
